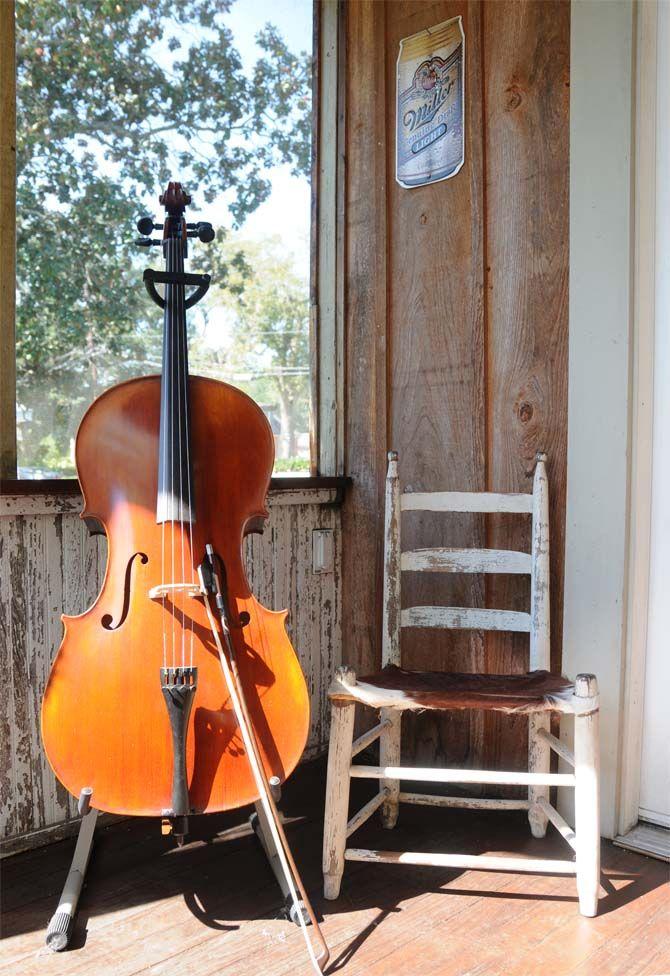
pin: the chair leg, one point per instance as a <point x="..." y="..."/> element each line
<point x="539" y="758"/>
<point x="389" y="755"/>
<point x="587" y="803"/>
<point x="337" y="796"/>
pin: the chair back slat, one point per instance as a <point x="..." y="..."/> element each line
<point x="466" y="561"/>
<point x="466" y="618"/>
<point x="535" y="563"/>
<point x="466" y="501"/>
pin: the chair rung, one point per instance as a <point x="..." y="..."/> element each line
<point x="466" y="561"/>
<point x="368" y="737"/>
<point x="477" y="862"/>
<point x="366" y="812"/>
<point x="420" y="774"/>
<point x="561" y="825"/>
<point x="559" y="747"/>
<point x="463" y="802"/>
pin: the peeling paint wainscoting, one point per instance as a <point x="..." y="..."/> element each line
<point x="50" y="564"/>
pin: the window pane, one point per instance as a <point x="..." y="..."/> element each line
<point x="113" y="100"/>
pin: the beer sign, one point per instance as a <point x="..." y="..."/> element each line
<point x="429" y="104"/>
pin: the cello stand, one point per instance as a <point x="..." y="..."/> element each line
<point x="61" y="926"/>
<point x="259" y="823"/>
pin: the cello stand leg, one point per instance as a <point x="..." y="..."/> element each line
<point x="59" y="931"/>
<point x="262" y="830"/>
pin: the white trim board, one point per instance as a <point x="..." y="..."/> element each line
<point x="641" y="416"/>
<point x="601" y="110"/>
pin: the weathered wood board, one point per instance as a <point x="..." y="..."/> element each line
<point x="457" y="330"/>
<point x="49" y="565"/>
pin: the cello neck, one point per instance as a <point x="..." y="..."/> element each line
<point x="175" y="501"/>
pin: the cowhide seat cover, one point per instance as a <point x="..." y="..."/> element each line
<point x="395" y="687"/>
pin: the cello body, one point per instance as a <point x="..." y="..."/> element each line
<point x="104" y="720"/>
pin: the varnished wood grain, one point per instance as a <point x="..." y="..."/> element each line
<point x="104" y="722"/>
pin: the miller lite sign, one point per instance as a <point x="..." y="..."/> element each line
<point x="429" y="105"/>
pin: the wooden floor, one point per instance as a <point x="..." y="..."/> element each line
<point x="213" y="907"/>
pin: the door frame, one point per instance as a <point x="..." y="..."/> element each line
<point x="642" y="404"/>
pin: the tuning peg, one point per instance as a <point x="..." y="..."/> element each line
<point x="146" y="242"/>
<point x="205" y="232"/>
<point x="146" y="224"/>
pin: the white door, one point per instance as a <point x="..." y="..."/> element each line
<point x="655" y="769"/>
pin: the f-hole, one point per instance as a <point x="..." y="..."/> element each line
<point x="107" y="620"/>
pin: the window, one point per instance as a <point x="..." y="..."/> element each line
<point x="112" y="101"/>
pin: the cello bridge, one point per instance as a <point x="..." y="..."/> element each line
<point x="170" y="589"/>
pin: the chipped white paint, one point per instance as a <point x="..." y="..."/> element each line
<point x="49" y="565"/>
<point x="366" y="812"/>
<point x="561" y="825"/>
<point x="539" y="758"/>
<point x="582" y="702"/>
<point x="466" y="501"/>
<point x="559" y="747"/>
<point x="389" y="755"/>
<point x="587" y="798"/>
<point x="540" y="658"/>
<point x="337" y="792"/>
<point x="365" y="740"/>
<point x="466" y="618"/>
<point x="391" y="611"/>
<point x="443" y="775"/>
<point x="462" y="802"/>
<point x="466" y="561"/>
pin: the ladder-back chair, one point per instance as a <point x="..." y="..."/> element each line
<point x="536" y="694"/>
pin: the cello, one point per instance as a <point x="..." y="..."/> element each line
<point x="177" y="692"/>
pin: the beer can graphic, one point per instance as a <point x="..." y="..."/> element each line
<point x="430" y="134"/>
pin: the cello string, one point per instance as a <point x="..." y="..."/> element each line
<point x="180" y="393"/>
<point x="161" y="489"/>
<point x="188" y="467"/>
<point x="172" y="505"/>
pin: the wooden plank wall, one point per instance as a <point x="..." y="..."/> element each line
<point x="49" y="564"/>
<point x="457" y="329"/>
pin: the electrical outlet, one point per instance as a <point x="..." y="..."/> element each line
<point x="323" y="557"/>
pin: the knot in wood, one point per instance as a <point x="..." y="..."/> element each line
<point x="525" y="412"/>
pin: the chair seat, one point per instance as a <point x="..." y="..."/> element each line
<point x="395" y="687"/>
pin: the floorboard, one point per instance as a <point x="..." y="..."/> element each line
<point x="212" y="907"/>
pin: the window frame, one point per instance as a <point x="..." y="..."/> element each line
<point x="326" y="305"/>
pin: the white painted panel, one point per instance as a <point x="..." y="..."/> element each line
<point x="601" y="110"/>
<point x="655" y="766"/>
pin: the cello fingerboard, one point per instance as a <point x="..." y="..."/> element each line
<point x="175" y="501"/>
